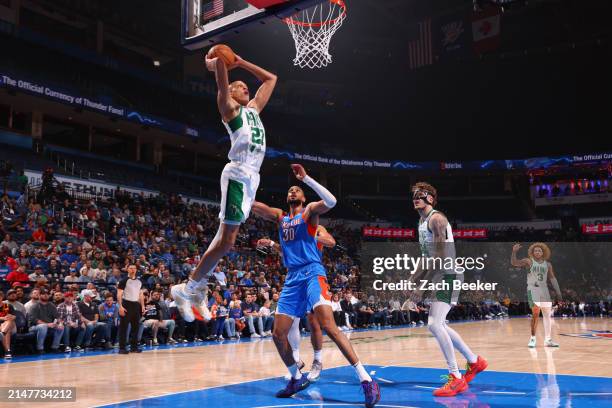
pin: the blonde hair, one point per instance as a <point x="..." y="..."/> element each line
<point x="545" y="250"/>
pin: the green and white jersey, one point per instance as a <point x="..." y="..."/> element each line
<point x="426" y="236"/>
<point x="248" y="138"/>
<point x="537" y="275"/>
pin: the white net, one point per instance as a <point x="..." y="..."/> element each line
<point x="312" y="30"/>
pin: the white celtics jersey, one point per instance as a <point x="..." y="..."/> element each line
<point x="426" y="236"/>
<point x="537" y="275"/>
<point x="248" y="138"/>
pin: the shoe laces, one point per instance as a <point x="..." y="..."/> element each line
<point x="448" y="379"/>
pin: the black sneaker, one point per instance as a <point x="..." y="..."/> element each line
<point x="123" y="351"/>
<point x="8" y="355"/>
<point x="136" y="350"/>
<point x="108" y="345"/>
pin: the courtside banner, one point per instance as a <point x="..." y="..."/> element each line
<point x="594" y="229"/>
<point x="404" y="233"/>
<point x="472" y="272"/>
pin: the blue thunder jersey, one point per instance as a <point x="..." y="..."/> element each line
<point x="298" y="242"/>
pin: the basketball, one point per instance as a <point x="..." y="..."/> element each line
<point x="223" y="52"/>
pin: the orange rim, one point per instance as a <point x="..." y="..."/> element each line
<point x="290" y="20"/>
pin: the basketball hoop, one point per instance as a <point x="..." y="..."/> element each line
<point x="312" y="30"/>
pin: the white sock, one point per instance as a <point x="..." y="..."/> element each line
<point x="318" y="355"/>
<point x="362" y="373"/>
<point x="295" y="371"/>
<point x="547" y="322"/>
<point x="294" y="338"/>
<point x="437" y="327"/>
<point x="461" y="346"/>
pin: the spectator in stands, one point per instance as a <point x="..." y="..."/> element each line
<point x="396" y="312"/>
<point x="220" y="277"/>
<point x="7" y="325"/>
<point x="9" y="244"/>
<point x="85" y="272"/>
<point x="166" y="323"/>
<point x="348" y="309"/>
<point x="43" y="320"/>
<point x="58" y="298"/>
<point x="38" y="275"/>
<point x="39" y="235"/>
<point x="55" y="270"/>
<point x="68" y="257"/>
<point x="39" y="260"/>
<point x="18" y="277"/>
<point x="268" y="319"/>
<point x="34" y="298"/>
<point x="152" y="317"/>
<point x="5" y="268"/>
<point x="11" y="299"/>
<point x="91" y="317"/>
<point x="72" y="277"/>
<point x="235" y="313"/>
<point x="339" y="315"/>
<point x="221" y="316"/>
<point x="166" y="279"/>
<point x="251" y="314"/>
<point x="70" y="317"/>
<point x="109" y="314"/>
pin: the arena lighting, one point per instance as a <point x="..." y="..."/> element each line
<point x="156" y="63"/>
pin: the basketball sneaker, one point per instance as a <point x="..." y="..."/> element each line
<point x="452" y="387"/>
<point x="315" y="371"/>
<point x="550" y="343"/>
<point x="371" y="392"/>
<point x="532" y="342"/>
<point x="293" y="386"/>
<point x="183" y="301"/>
<point x="474" y="368"/>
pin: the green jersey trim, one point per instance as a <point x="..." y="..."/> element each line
<point x="237" y="122"/>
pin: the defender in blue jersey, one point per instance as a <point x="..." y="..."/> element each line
<point x="324" y="240"/>
<point x="306" y="285"/>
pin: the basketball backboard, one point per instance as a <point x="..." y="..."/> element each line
<point x="206" y="22"/>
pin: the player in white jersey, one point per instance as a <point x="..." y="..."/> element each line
<point x="436" y="241"/>
<point x="240" y="177"/>
<point x="540" y="271"/>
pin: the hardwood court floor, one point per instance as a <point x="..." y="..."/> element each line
<point x="108" y="378"/>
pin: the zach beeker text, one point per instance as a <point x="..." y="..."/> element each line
<point x="405" y="284"/>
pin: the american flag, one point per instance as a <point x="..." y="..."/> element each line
<point x="421" y="50"/>
<point x="212" y="9"/>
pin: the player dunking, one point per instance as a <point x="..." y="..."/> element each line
<point x="240" y="177"/>
<point x="540" y="272"/>
<point x="324" y="240"/>
<point x="436" y="240"/>
<point x="306" y="285"/>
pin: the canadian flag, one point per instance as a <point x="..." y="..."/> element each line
<point x="486" y="29"/>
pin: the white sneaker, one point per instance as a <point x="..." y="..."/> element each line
<point x="550" y="343"/>
<point x="183" y="301"/>
<point x="532" y="342"/>
<point x="255" y="336"/>
<point x="315" y="371"/>
<point x="67" y="349"/>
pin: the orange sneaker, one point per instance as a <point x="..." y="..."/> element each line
<point x="452" y="387"/>
<point x="472" y="369"/>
